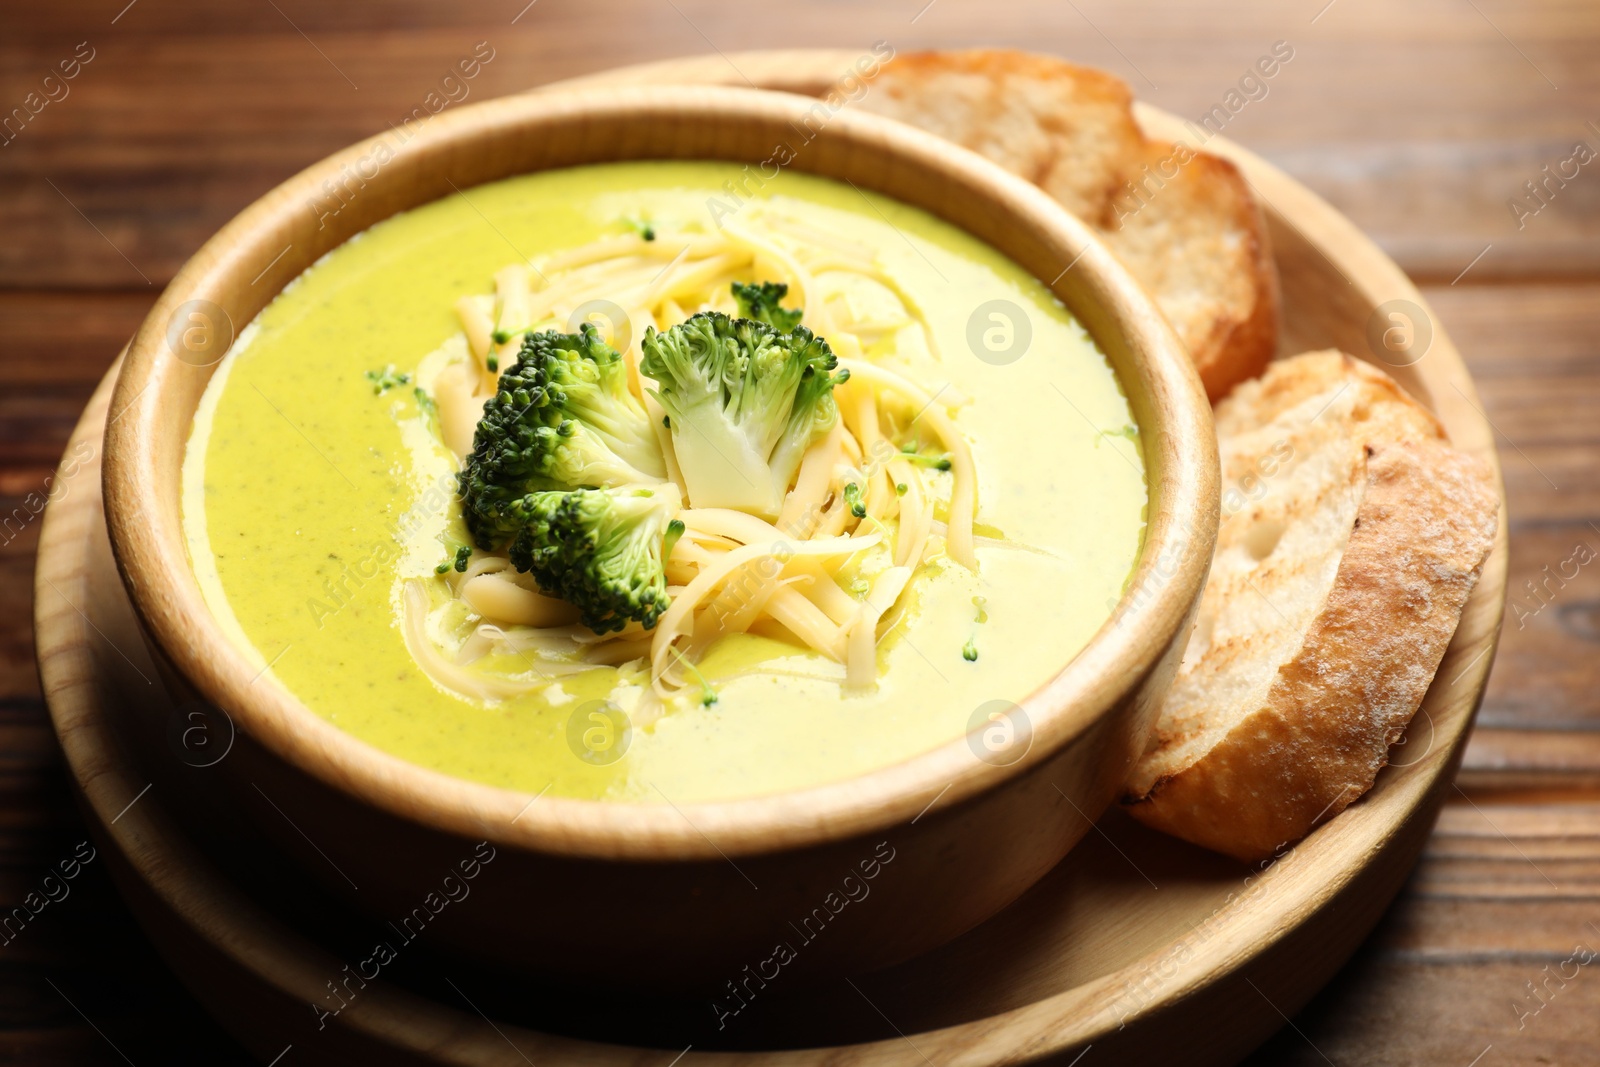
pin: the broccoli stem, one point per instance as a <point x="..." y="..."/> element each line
<point x="708" y="695"/>
<point x="675" y="530"/>
<point x="910" y="454"/>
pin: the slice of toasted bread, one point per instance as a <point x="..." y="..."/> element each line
<point x="1184" y="222"/>
<point x="1351" y="535"/>
<point x="1196" y="240"/>
<point x="1069" y="130"/>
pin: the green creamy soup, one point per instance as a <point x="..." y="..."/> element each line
<point x="310" y="498"/>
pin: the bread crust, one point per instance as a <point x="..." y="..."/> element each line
<point x="1195" y="237"/>
<point x="1315" y="744"/>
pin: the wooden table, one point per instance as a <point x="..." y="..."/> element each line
<point x="1421" y="123"/>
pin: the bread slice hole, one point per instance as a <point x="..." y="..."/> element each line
<point x="1263" y="537"/>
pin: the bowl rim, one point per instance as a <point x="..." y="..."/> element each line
<point x="1174" y="416"/>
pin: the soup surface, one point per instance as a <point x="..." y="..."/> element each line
<point x="315" y="491"/>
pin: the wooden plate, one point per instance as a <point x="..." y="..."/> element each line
<point x="1136" y="949"/>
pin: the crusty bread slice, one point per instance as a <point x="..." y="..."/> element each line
<point x="1198" y="244"/>
<point x="1069" y="130"/>
<point x="1184" y="222"/>
<point x="1351" y="535"/>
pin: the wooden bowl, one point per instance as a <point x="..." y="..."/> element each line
<point x="661" y="894"/>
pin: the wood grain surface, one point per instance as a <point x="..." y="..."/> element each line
<point x="1421" y="124"/>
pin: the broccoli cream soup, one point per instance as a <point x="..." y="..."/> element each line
<point x="619" y="483"/>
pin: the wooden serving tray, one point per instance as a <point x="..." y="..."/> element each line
<point x="1136" y="949"/>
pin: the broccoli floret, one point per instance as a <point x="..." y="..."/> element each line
<point x="745" y="402"/>
<point x="457" y="562"/>
<point x="760" y="302"/>
<point x="600" y="550"/>
<point x="852" y="499"/>
<point x="562" y="419"/>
